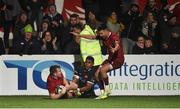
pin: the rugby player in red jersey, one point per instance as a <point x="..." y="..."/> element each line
<point x="115" y="59"/>
<point x="55" y="80"/>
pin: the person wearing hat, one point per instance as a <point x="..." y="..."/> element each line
<point x="28" y="45"/>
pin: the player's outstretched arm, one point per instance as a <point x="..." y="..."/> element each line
<point x="83" y="35"/>
<point x="87" y="87"/>
<point x="55" y="96"/>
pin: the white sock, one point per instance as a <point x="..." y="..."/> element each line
<point x="106" y="87"/>
<point x="102" y="91"/>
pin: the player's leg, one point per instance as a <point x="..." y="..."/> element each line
<point x="101" y="87"/>
<point x="69" y="95"/>
<point x="104" y="80"/>
<point x="104" y="70"/>
<point x="100" y="81"/>
<point x="72" y="88"/>
<point x="72" y="85"/>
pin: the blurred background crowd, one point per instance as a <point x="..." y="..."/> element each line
<point x="38" y="28"/>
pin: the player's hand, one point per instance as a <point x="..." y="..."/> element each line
<point x="55" y="23"/>
<point x="63" y="89"/>
<point x="112" y="49"/>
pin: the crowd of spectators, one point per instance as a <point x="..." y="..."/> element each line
<point x="38" y="28"/>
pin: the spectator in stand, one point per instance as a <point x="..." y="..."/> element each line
<point x="151" y="6"/>
<point x="176" y="12"/>
<point x="44" y="27"/>
<point x="90" y="47"/>
<point x="73" y="46"/>
<point x="49" y="44"/>
<point x="56" y="21"/>
<point x="149" y="28"/>
<point x="2" y="13"/>
<point x="132" y="21"/>
<point x="107" y="6"/>
<point x="113" y="25"/>
<point x="11" y="9"/>
<point x="164" y="12"/>
<point x="21" y="22"/>
<point x="35" y="8"/>
<point x="23" y="4"/>
<point x="165" y="32"/>
<point x="174" y="44"/>
<point x="2" y="50"/>
<point x="94" y="23"/>
<point x="149" y="47"/>
<point x="48" y="2"/>
<point x="139" y="48"/>
<point x="67" y="37"/>
<point x="79" y="21"/>
<point x="28" y="45"/>
<point x="89" y="5"/>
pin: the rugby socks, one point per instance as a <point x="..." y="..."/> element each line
<point x="106" y="82"/>
<point x="101" y="84"/>
<point x="102" y="91"/>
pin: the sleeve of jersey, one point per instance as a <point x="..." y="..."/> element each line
<point x="91" y="79"/>
<point x="116" y="38"/>
<point x="77" y="71"/>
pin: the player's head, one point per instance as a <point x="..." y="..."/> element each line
<point x="55" y="70"/>
<point x="89" y="63"/>
<point x="102" y="31"/>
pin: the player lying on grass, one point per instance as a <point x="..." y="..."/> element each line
<point x="84" y="77"/>
<point x="115" y="59"/>
<point x="57" y="84"/>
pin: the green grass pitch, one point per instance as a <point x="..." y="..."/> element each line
<point x="111" y="102"/>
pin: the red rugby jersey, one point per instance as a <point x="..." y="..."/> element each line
<point x="109" y="43"/>
<point x="52" y="83"/>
